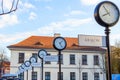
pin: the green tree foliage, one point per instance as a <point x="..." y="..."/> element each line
<point x="115" y="58"/>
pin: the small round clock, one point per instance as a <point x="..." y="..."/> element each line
<point x="20" y="68"/>
<point x="23" y="66"/>
<point x="106" y="14"/>
<point x="42" y="53"/>
<point x="27" y="63"/>
<point x="59" y="43"/>
<point x="33" y="59"/>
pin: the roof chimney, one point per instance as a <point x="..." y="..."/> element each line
<point x="57" y="35"/>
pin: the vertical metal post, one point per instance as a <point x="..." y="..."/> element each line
<point x="59" y="65"/>
<point x="27" y="74"/>
<point x="42" y="69"/>
<point x="32" y="70"/>
<point x="107" y="31"/>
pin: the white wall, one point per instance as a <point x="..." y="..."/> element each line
<point x="66" y="67"/>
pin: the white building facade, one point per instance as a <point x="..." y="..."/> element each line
<point x="77" y="62"/>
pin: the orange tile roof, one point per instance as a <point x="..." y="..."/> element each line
<point x="46" y="42"/>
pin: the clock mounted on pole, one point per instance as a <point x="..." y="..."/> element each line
<point x="107" y="15"/>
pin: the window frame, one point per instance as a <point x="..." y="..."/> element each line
<point x="96" y="59"/>
<point x="47" y="76"/>
<point x="21" y="57"/>
<point x="84" y="76"/>
<point x="84" y="59"/>
<point x="34" y="75"/>
<point x="72" y="58"/>
<point x="36" y="56"/>
<point x="96" y="76"/>
<point x="72" y="76"/>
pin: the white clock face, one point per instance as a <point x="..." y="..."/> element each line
<point x="108" y="13"/>
<point x="59" y="43"/>
<point x="33" y="60"/>
<point x="42" y="53"/>
<point x="27" y="63"/>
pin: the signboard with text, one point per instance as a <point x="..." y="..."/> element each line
<point x="91" y="40"/>
<point x="36" y="64"/>
<point x="52" y="58"/>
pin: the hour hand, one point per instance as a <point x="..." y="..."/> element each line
<point x="106" y="14"/>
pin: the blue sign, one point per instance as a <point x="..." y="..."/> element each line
<point x="115" y="76"/>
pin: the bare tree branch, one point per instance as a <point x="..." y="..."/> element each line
<point x="11" y="9"/>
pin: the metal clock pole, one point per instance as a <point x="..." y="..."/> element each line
<point x="59" y="54"/>
<point x="42" y="68"/>
<point x="107" y="32"/>
<point x="27" y="74"/>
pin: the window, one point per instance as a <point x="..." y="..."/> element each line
<point x="47" y="75"/>
<point x="72" y="59"/>
<point x="61" y="75"/>
<point x="96" y="60"/>
<point x="84" y="76"/>
<point x="35" y="55"/>
<point x="72" y="75"/>
<point x="61" y="59"/>
<point x="96" y="76"/>
<point x="34" y="75"/>
<point x="21" y="58"/>
<point x="48" y="62"/>
<point x="21" y="76"/>
<point x="84" y="59"/>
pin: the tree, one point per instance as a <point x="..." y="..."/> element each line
<point x="3" y="59"/>
<point x="3" y="54"/>
<point x="115" y="58"/>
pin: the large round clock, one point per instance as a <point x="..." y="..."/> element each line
<point x="106" y="14"/>
<point x="42" y="53"/>
<point x="59" y="43"/>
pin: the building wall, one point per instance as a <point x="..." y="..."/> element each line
<point x="66" y="67"/>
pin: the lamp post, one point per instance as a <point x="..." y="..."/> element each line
<point x="107" y="14"/>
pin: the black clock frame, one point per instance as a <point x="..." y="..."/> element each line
<point x="26" y="62"/>
<point x="34" y="58"/>
<point x="55" y="45"/>
<point x="40" y="51"/>
<point x="97" y="15"/>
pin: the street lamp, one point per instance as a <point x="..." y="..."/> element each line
<point x="107" y="14"/>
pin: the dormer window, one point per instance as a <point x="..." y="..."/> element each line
<point x="38" y="43"/>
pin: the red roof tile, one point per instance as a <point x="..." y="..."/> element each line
<point x="46" y="42"/>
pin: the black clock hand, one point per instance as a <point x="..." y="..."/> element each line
<point x="106" y="11"/>
<point x="60" y="43"/>
<point x="105" y="14"/>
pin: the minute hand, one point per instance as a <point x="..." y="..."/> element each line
<point x="106" y="11"/>
<point x="60" y="43"/>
